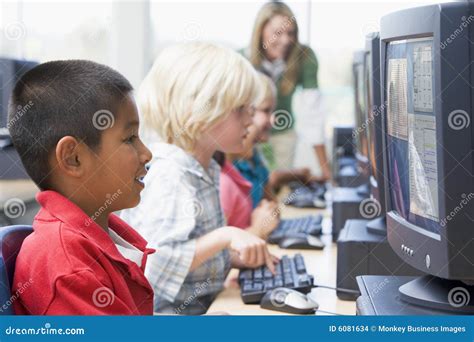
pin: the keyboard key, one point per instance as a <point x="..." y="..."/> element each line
<point x="268" y="284"/>
<point x="246" y="274"/>
<point x="267" y="274"/>
<point x="304" y="279"/>
<point x="290" y="273"/>
<point x="247" y="287"/>
<point x="300" y="268"/>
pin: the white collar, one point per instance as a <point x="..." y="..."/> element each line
<point x="274" y="69"/>
<point x="125" y="248"/>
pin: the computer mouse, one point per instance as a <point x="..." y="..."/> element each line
<point x="307" y="242"/>
<point x="289" y="301"/>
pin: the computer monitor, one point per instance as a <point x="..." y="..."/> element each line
<point x="7" y="82"/>
<point x="359" y="68"/>
<point x="427" y="78"/>
<point x="10" y="71"/>
<point x="374" y="133"/>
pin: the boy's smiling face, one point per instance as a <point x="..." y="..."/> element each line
<point x="109" y="177"/>
<point x="117" y="168"/>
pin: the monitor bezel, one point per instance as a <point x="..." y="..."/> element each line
<point x="374" y="120"/>
<point x="436" y="254"/>
<point x="359" y="61"/>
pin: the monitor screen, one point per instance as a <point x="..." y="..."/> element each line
<point x="7" y="81"/>
<point x="412" y="136"/>
<point x="372" y="111"/>
<point x="10" y="71"/>
<point x="361" y="108"/>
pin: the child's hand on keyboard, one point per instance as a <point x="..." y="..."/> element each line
<point x="265" y="218"/>
<point x="249" y="250"/>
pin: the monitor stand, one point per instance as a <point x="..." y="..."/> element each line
<point x="440" y="294"/>
<point x="378" y="226"/>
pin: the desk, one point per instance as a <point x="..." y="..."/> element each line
<point x="321" y="264"/>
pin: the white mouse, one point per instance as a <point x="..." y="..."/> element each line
<point x="288" y="300"/>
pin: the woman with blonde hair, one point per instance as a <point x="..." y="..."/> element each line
<point x="275" y="50"/>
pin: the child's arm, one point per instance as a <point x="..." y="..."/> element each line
<point x="82" y="293"/>
<point x="278" y="178"/>
<point x="265" y="219"/>
<point x="323" y="162"/>
<point x="252" y="250"/>
<point x="268" y="193"/>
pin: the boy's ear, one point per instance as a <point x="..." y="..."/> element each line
<point x="70" y="156"/>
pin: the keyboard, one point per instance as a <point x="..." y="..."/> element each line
<point x="306" y="225"/>
<point x="307" y="196"/>
<point x="290" y="273"/>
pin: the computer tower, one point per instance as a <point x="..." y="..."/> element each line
<point x="360" y="252"/>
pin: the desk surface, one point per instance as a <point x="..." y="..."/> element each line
<point x="321" y="264"/>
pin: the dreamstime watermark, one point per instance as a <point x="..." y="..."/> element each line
<point x="459" y="119"/>
<point x="20" y="111"/>
<point x="465" y="200"/>
<point x="198" y="289"/>
<point x="20" y="289"/>
<point x="458" y="297"/>
<point x="370" y="208"/>
<point x="108" y="202"/>
<point x="192" y="208"/>
<point x="192" y="32"/>
<point x="102" y="297"/>
<point x="281" y="120"/>
<point x="376" y="111"/>
<point x="363" y="301"/>
<point x="379" y="287"/>
<point x="464" y="24"/>
<point x="277" y="212"/>
<point x="46" y="330"/>
<point x="14" y="30"/>
<point x="287" y="23"/>
<point x="278" y="296"/>
<point x="103" y="119"/>
<point x="14" y="208"/>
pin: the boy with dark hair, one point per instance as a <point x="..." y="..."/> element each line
<point x="79" y="143"/>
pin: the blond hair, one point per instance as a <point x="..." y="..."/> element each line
<point x="257" y="45"/>
<point x="268" y="90"/>
<point x="191" y="87"/>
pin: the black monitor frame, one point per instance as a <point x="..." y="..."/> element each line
<point x="10" y="71"/>
<point x="450" y="254"/>
<point x="359" y="68"/>
<point x="7" y="82"/>
<point x="374" y="120"/>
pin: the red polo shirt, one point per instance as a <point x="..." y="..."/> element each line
<point x="70" y="266"/>
<point x="235" y="196"/>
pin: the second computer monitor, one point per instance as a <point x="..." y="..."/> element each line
<point x="374" y="121"/>
<point x="359" y="69"/>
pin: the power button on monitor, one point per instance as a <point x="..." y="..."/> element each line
<point x="428" y="261"/>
